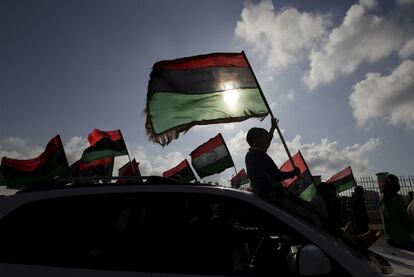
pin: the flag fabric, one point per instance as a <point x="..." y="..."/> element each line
<point x="129" y="169"/>
<point x="181" y="172"/>
<point x="211" y="157"/>
<point x="343" y="180"/>
<point x="303" y="185"/>
<point x="103" y="167"/>
<point x="200" y="90"/>
<point x="48" y="166"/>
<point x="239" y="180"/>
<point x="104" y="144"/>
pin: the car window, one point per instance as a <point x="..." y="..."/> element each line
<point x="182" y="233"/>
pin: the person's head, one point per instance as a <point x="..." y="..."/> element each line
<point x="359" y="191"/>
<point x="326" y="189"/>
<point x="258" y="137"/>
<point x="392" y="184"/>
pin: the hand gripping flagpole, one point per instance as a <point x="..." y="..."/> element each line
<point x="270" y="112"/>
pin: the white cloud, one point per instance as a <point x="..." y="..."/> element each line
<point x="407" y="50"/>
<point x="74" y="148"/>
<point x="390" y="97"/>
<point x="280" y="37"/>
<point x="362" y="37"/>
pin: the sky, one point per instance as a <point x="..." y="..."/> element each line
<point x="339" y="75"/>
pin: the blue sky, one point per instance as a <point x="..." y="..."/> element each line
<point x="338" y="74"/>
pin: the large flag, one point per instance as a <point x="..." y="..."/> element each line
<point x="303" y="185"/>
<point x="51" y="164"/>
<point x="343" y="180"/>
<point x="239" y="180"/>
<point x="104" y="144"/>
<point x="94" y="168"/>
<point x="129" y="169"/>
<point x="200" y="90"/>
<point x="181" y="172"/>
<point x="211" y="157"/>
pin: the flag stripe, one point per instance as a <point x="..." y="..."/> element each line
<point x="183" y="170"/>
<point x="91" y="154"/>
<point x="201" y="80"/>
<point x="343" y="181"/>
<point x="210" y="145"/>
<point x="308" y="193"/>
<point x="345" y="186"/>
<point x="207" y="60"/>
<point x="103" y="162"/>
<point x="343" y="173"/>
<point x="171" y="109"/>
<point x="25" y="181"/>
<point x="98" y="135"/>
<point x="216" y="167"/>
<point x="209" y="157"/>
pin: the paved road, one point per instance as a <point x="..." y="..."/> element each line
<point x="402" y="261"/>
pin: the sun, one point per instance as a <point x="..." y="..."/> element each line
<point x="230" y="95"/>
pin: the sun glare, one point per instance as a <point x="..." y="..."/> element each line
<point x="231" y="97"/>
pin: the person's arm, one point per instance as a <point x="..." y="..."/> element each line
<point x="273" y="126"/>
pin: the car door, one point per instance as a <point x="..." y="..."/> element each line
<point x="73" y="236"/>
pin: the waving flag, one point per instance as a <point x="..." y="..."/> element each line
<point x="211" y="157"/>
<point x="343" y="180"/>
<point x="52" y="163"/>
<point x="200" y="90"/>
<point x="181" y="172"/>
<point x="101" y="167"/>
<point x="129" y="169"/>
<point x="104" y="144"/>
<point x="301" y="186"/>
<point x="239" y="180"/>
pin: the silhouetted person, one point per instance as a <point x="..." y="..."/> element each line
<point x="328" y="207"/>
<point x="410" y="206"/>
<point x="397" y="223"/>
<point x="360" y="219"/>
<point x="265" y="177"/>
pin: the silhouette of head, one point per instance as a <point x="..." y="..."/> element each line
<point x="258" y="137"/>
<point x="392" y="184"/>
<point x="359" y="191"/>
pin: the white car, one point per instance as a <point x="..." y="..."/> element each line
<point x="164" y="230"/>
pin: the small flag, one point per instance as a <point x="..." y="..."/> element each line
<point x="180" y="172"/>
<point x="239" y="180"/>
<point x="129" y="169"/>
<point x="211" y="157"/>
<point x="200" y="90"/>
<point x="343" y="180"/>
<point x="94" y="168"/>
<point x="52" y="163"/>
<point x="104" y="144"/>
<point x="301" y="186"/>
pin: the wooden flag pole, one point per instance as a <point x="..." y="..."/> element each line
<point x="270" y="112"/>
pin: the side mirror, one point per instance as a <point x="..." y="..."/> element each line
<point x="308" y="260"/>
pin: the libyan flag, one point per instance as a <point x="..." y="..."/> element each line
<point x="302" y="186"/>
<point x="129" y="169"/>
<point x="200" y="90"/>
<point x="101" y="167"/>
<point x="343" y="180"/>
<point x="51" y="164"/>
<point x="104" y="144"/>
<point x="239" y="180"/>
<point x="211" y="157"/>
<point x="181" y="172"/>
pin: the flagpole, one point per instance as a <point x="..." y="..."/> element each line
<point x="225" y="145"/>
<point x="129" y="157"/>
<point x="270" y="112"/>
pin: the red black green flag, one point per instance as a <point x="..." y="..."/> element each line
<point x="181" y="172"/>
<point x="211" y="157"/>
<point x="200" y="90"/>
<point x="94" y="168"/>
<point x="302" y="186"/>
<point x="46" y="168"/>
<point x="240" y="179"/>
<point x="129" y="169"/>
<point x="343" y="180"/>
<point x="104" y="144"/>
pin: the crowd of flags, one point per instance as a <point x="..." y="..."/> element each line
<point x="182" y="93"/>
<point x="211" y="157"/>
